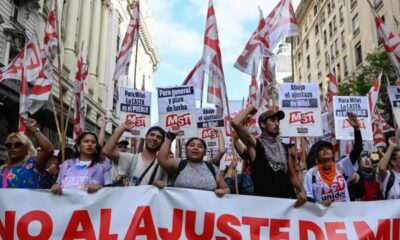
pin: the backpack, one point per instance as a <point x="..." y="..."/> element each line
<point x="182" y="165"/>
<point x="389" y="184"/>
<point x="372" y="190"/>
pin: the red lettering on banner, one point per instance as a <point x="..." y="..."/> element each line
<point x="209" y="133"/>
<point x="255" y="225"/>
<point x="306" y="226"/>
<point x="299" y="117"/>
<point x="331" y="230"/>
<point x="346" y="124"/>
<point x="190" y="226"/>
<point x="143" y="213"/>
<point x="396" y="228"/>
<point x="40" y="216"/>
<point x="275" y="229"/>
<point x="176" y="230"/>
<point x="139" y="121"/>
<point x="79" y="218"/>
<point x="178" y="120"/>
<point x="223" y="226"/>
<point x="105" y="223"/>
<point x="7" y="229"/>
<point x="364" y="232"/>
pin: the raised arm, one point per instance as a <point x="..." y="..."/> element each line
<point x="109" y="148"/>
<point x="221" y="149"/>
<point x="102" y="132"/>
<point x="384" y="162"/>
<point x="167" y="164"/>
<point x="358" y="144"/>
<point x="46" y="147"/>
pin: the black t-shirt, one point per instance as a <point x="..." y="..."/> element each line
<point x="267" y="182"/>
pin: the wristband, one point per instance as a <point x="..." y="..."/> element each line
<point x="171" y="136"/>
<point x="35" y="130"/>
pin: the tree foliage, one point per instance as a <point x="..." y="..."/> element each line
<point x="360" y="82"/>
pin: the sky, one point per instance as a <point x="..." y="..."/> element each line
<point x="177" y="28"/>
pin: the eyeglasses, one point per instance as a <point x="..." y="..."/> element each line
<point x="14" y="145"/>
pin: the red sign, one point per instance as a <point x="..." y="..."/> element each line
<point x="361" y="124"/>
<point x="178" y="120"/>
<point x="300" y="117"/>
<point x="138" y="120"/>
<point x="209" y="133"/>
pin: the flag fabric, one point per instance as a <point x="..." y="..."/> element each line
<point x="14" y="69"/>
<point x="213" y="60"/>
<point x="79" y="102"/>
<point x="377" y="128"/>
<point x="390" y="41"/>
<point x="196" y="79"/>
<point x="50" y="41"/>
<point x="332" y="91"/>
<point x="278" y="25"/>
<point x="253" y="89"/>
<point x="125" y="52"/>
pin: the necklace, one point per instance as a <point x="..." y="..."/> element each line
<point x="275" y="153"/>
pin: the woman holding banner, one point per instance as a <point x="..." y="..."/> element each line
<point x="193" y="172"/>
<point x="85" y="170"/>
<point x="23" y="163"/>
<point x="327" y="181"/>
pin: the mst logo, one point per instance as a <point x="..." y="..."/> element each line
<point x="178" y="120"/>
<point x="209" y="133"/>
<point x="346" y="124"/>
<point x="138" y="120"/>
<point x="299" y="117"/>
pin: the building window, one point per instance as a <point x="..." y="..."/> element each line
<point x="329" y="8"/>
<point x="338" y="73"/>
<point x="353" y="3"/>
<point x="319" y="70"/>
<point x="333" y="4"/>
<point x="336" y="47"/>
<point x="358" y="52"/>
<point x="307" y="44"/>
<point x="356" y="25"/>
<point x="334" y="24"/>
<point x="378" y="36"/>
<point x="325" y="37"/>
<point x="323" y="17"/>
<point x="316" y="29"/>
<point x="308" y="61"/>
<point x="332" y="53"/>
<point x="298" y="57"/>
<point x="346" y="71"/>
<point x="309" y="78"/>
<point x="326" y="59"/>
<point x="330" y="29"/>
<point x="343" y="38"/>
<point x="318" y="48"/>
<point x="15" y="15"/>
<point x="315" y="9"/>
<point x="341" y="19"/>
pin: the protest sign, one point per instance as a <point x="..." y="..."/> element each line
<point x="302" y="108"/>
<point x="177" y="107"/>
<point x="135" y="107"/>
<point x="146" y="212"/>
<point x="359" y="106"/>
<point x="209" y="127"/>
<point x="394" y="96"/>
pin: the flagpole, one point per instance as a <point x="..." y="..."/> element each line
<point x="136" y="54"/>
<point x="60" y="89"/>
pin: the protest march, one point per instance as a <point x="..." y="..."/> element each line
<point x="295" y="160"/>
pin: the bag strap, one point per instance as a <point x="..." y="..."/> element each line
<point x="211" y="168"/>
<point x="153" y="175"/>
<point x="389" y="184"/>
<point x="144" y="174"/>
<point x="181" y="166"/>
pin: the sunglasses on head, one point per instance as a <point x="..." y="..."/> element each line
<point x="14" y="145"/>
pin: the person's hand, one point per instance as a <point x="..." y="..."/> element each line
<point x="159" y="184"/>
<point x="105" y="120"/>
<point x="174" y="129"/>
<point x="353" y="120"/>
<point x="53" y="169"/>
<point x="326" y="203"/>
<point x="392" y="142"/>
<point x="30" y="124"/>
<point x="301" y="199"/>
<point x="56" y="189"/>
<point x="252" y="110"/>
<point x="221" y="192"/>
<point x="92" y="188"/>
<point x="128" y="125"/>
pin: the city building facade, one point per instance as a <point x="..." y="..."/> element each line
<point x="340" y="33"/>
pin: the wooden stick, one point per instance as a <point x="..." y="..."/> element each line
<point x="55" y="117"/>
<point x="69" y="111"/>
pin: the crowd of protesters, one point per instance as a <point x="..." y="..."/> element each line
<point x="269" y="167"/>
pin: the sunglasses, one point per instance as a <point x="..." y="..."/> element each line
<point x="14" y="145"/>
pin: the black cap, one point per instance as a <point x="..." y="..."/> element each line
<point x="269" y="114"/>
<point x="123" y="142"/>
<point x="321" y="144"/>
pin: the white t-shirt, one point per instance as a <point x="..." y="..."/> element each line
<point x="127" y="167"/>
<point x="394" y="192"/>
<point x="337" y="191"/>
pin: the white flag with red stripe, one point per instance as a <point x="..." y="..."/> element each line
<point x="125" y="52"/>
<point x="213" y="60"/>
<point x="79" y="101"/>
<point x="253" y="89"/>
<point x="332" y="91"/>
<point x="377" y="128"/>
<point x="390" y="41"/>
<point x="50" y="41"/>
<point x="196" y="79"/>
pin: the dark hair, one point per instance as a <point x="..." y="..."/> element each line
<point x="196" y="138"/>
<point x="312" y="157"/>
<point x="97" y="154"/>
<point x="156" y="129"/>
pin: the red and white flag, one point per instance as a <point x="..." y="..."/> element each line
<point x="196" y="79"/>
<point x="253" y="89"/>
<point x="377" y="128"/>
<point x="50" y="41"/>
<point x="390" y="41"/>
<point x="125" y="52"/>
<point x="332" y="91"/>
<point x="79" y="102"/>
<point x="278" y="25"/>
<point x="213" y="60"/>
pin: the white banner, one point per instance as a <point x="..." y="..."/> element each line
<point x="302" y="108"/>
<point x="146" y="212"/>
<point x="357" y="105"/>
<point x="135" y="106"/>
<point x="177" y="106"/>
<point x="394" y="96"/>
